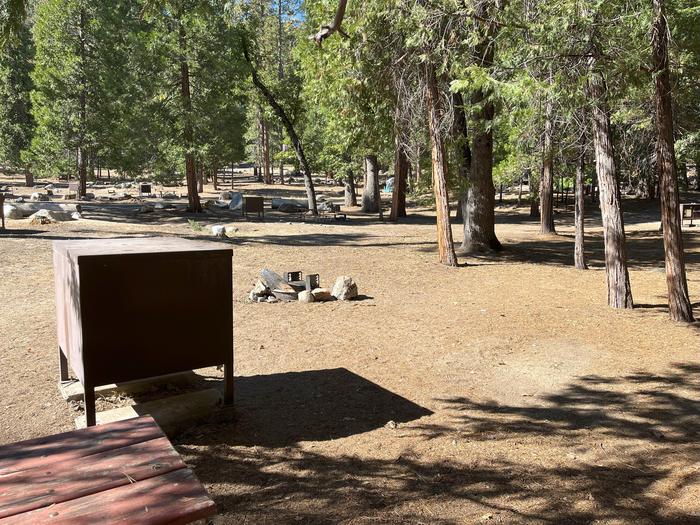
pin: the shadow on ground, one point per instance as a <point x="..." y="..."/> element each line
<point x="649" y="423"/>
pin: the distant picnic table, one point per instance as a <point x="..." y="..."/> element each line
<point x="123" y="472"/>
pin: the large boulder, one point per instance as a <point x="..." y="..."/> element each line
<point x="50" y="216"/>
<point x="344" y="288"/>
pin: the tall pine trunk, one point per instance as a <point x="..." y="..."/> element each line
<point x="579" y="207"/>
<point x="547" y="182"/>
<point x="200" y="176"/>
<point x="446" y="251"/>
<point x="82" y="102"/>
<point x="350" y="193"/>
<point x="193" y="204"/>
<point x="370" y="197"/>
<point x="398" y="196"/>
<point x="267" y="165"/>
<point x="619" y="290"/>
<point x="678" y="297"/>
<point x="461" y="136"/>
<point x="478" y="207"/>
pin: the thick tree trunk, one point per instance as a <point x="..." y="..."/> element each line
<point x="215" y="176"/>
<point x="619" y="291"/>
<point x="370" y="198"/>
<point x="678" y="297"/>
<point x="350" y="193"/>
<point x="579" y="204"/>
<point x="289" y="127"/>
<point x="281" y="172"/>
<point x="478" y="210"/>
<point x="398" y="196"/>
<point x="461" y="136"/>
<point x="193" y="204"/>
<point x="547" y="182"/>
<point x="446" y="252"/>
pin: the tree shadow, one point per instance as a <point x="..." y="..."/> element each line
<point x="279" y="410"/>
<point x="651" y="418"/>
<point x="644" y="250"/>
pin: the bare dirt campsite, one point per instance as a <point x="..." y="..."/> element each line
<point x="504" y="390"/>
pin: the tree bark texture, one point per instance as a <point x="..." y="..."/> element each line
<point x="478" y="211"/>
<point x="193" y="204"/>
<point x="579" y="206"/>
<point x="547" y="183"/>
<point x="350" y="192"/>
<point x="618" y="282"/>
<point x="398" y="196"/>
<point x="461" y="136"/>
<point x="678" y="298"/>
<point x="446" y="252"/>
<point x="370" y="199"/>
<point x="82" y="101"/>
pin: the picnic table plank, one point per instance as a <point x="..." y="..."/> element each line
<point x="42" y="486"/>
<point x="175" y="498"/>
<point x="76" y="444"/>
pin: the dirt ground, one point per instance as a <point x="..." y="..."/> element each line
<point x="502" y="391"/>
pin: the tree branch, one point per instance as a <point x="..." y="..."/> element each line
<point x="328" y="30"/>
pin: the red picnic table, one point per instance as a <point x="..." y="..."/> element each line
<point x="122" y="472"/>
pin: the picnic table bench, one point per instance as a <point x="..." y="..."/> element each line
<point x="123" y="472"/>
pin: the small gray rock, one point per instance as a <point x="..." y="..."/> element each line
<point x="39" y="197"/>
<point x="344" y="288"/>
<point x="306" y="297"/>
<point x="218" y="230"/>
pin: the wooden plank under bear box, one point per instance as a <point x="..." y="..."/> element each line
<point x="136" y="308"/>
